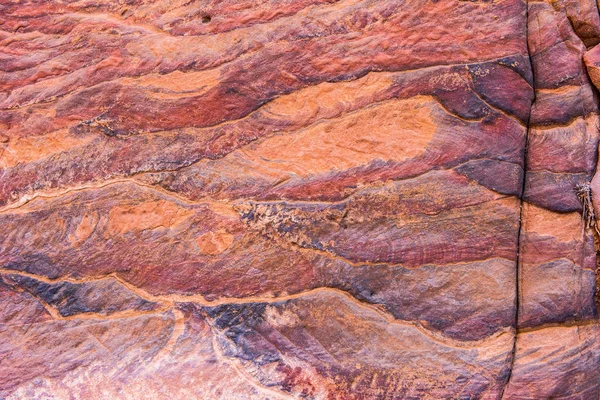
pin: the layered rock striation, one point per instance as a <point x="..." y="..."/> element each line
<point x="320" y="199"/>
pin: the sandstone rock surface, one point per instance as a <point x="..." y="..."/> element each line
<point x="319" y="199"/>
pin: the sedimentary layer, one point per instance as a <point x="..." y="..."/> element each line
<point x="298" y="199"/>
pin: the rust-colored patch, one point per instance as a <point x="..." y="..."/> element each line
<point x="151" y="215"/>
<point x="565" y="227"/>
<point x="328" y="98"/>
<point x="85" y="228"/>
<point x="176" y="84"/>
<point x="29" y="149"/>
<point x="395" y="130"/>
<point x="216" y="242"/>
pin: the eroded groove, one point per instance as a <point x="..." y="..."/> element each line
<point x="94" y="186"/>
<point x="131" y="179"/>
<point x="169" y="301"/>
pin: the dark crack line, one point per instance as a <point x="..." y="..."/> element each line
<point x="520" y="225"/>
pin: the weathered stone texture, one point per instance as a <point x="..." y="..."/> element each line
<point x="321" y="199"/>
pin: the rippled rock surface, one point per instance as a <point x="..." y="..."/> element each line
<point x="318" y="199"/>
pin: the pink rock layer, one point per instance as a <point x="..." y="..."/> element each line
<point x="320" y="199"/>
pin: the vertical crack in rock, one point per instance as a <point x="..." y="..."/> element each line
<point x="379" y="260"/>
<point x="584" y="194"/>
<point x="522" y="195"/>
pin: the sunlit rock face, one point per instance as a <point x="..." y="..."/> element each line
<point x="318" y="199"/>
